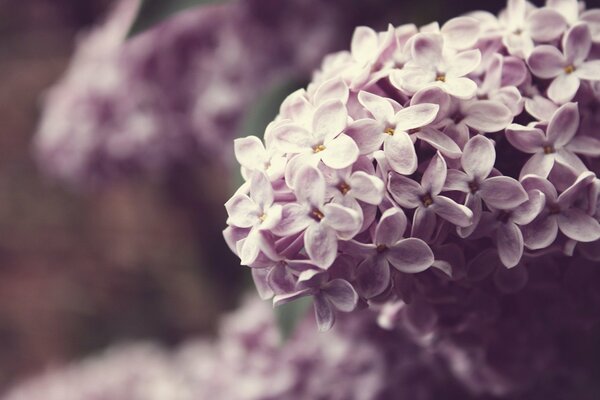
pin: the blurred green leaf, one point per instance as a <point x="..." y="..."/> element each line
<point x="290" y="315"/>
<point x="153" y="11"/>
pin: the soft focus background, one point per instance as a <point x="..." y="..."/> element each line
<point x="138" y="253"/>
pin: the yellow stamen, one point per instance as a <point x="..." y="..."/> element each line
<point x="319" y="148"/>
<point x="389" y="131"/>
<point x="440" y="78"/>
<point x="317" y="214"/>
<point x="427" y="200"/>
<point x="344" y="187"/>
<point x="263" y="217"/>
<point x="548" y="149"/>
<point x="569" y="69"/>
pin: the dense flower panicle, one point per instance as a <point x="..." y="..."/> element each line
<point x="177" y="92"/>
<point x="426" y="147"/>
<point x="355" y="361"/>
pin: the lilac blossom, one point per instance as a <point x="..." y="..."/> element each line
<point x="566" y="68"/>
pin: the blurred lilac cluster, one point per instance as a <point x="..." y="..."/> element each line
<point x="427" y="147"/>
<point x="356" y="361"/>
<point x="177" y="92"/>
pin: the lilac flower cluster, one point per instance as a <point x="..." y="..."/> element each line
<point x="357" y="361"/>
<point x="176" y="92"/>
<point x="425" y="147"/>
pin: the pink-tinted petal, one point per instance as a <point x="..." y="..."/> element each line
<point x="546" y="62"/>
<point x="310" y="186"/>
<point x="528" y="211"/>
<point x="259" y="277"/>
<point x="271" y="217"/>
<point x="323" y="313"/>
<point x="452" y="212"/>
<point x="364" y="44"/>
<point x="344" y="220"/>
<point x="434" y="176"/>
<point x="282" y="299"/>
<point x="366" y="188"/>
<point x="514" y="71"/>
<point x="373" y="276"/>
<point x="589" y="70"/>
<point x="511" y="98"/>
<point x="577" y="190"/>
<point x="473" y="202"/>
<point x="577" y="43"/>
<point x="461" y="32"/>
<point x="405" y="191"/>
<point x="478" y="157"/>
<point x="540" y="108"/>
<point x="281" y="280"/>
<point x="524" y="138"/>
<point x="379" y="107"/>
<point x="367" y="134"/>
<point x="415" y="116"/>
<point x="331" y="89"/>
<point x="570" y="160"/>
<point x="400" y="152"/>
<point x="321" y="244"/>
<point x="592" y="18"/>
<point x="534" y="182"/>
<point x="412" y="79"/>
<point x="391" y="227"/>
<point x="563" y="125"/>
<point x="502" y="192"/>
<point x="563" y="88"/>
<point x="578" y="225"/>
<point x="340" y="152"/>
<point x="539" y="164"/>
<point x="433" y="95"/>
<point x="510" y="244"/>
<point x="341" y="294"/>
<point x="242" y="211"/>
<point x="294" y="219"/>
<point x="439" y="141"/>
<point x="291" y="138"/>
<point x="487" y="116"/>
<point x="457" y="180"/>
<point x="462" y="88"/>
<point x="424" y="223"/>
<point x="541" y="233"/>
<point x="587" y="145"/>
<point x="568" y="8"/>
<point x="410" y="256"/>
<point x="427" y="49"/>
<point x="250" y="152"/>
<point x="545" y="24"/>
<point x="250" y="247"/>
<point x="464" y="63"/>
<point x="329" y="120"/>
<point x="261" y="190"/>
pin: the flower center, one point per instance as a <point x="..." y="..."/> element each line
<point x="554" y="209"/>
<point x="473" y="186"/>
<point x="441" y="78"/>
<point x="263" y="217"/>
<point x="548" y="149"/>
<point x="381" y="248"/>
<point x="503" y="216"/>
<point x="389" y="131"/>
<point x="319" y="148"/>
<point x="344" y="187"/>
<point x="317" y="214"/>
<point x="569" y="69"/>
<point x="427" y="200"/>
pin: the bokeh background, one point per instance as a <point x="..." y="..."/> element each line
<point x="138" y="254"/>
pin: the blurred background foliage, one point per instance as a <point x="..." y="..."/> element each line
<point x="138" y="258"/>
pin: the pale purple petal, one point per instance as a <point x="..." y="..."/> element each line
<point x="323" y="313"/>
<point x="533" y="182"/>
<point x="405" y="191"/>
<point x="391" y="227"/>
<point x="412" y="79"/>
<point x="250" y="152"/>
<point x="416" y="116"/>
<point x="563" y="125"/>
<point x="249" y="248"/>
<point x="261" y="190"/>
<point x="410" y="256"/>
<point x="578" y="225"/>
<point x="478" y="157"/>
<point x="539" y="164"/>
<point x="487" y="116"/>
<point x="291" y="138"/>
<point x="502" y="192"/>
<point x="568" y="8"/>
<point x="271" y="217"/>
<point x="427" y="49"/>
<point x="259" y="277"/>
<point x="589" y="70"/>
<point x="373" y="276"/>
<point x="364" y="44"/>
<point x="294" y="219"/>
<point x="367" y="134"/>
<point x="242" y="211"/>
<point x="541" y="233"/>
<point x="510" y="244"/>
<point x="310" y="186"/>
<point x="462" y="88"/>
<point x="344" y="220"/>
<point x="439" y="141"/>
<point x="592" y="18"/>
<point x="577" y="190"/>
<point x="452" y="212"/>
<point x="366" y="188"/>
<point x="464" y="63"/>
<point x="340" y="152"/>
<point x="341" y="294"/>
<point x="472" y="202"/>
<point x="577" y="43"/>
<point x="546" y="62"/>
<point x="321" y="244"/>
<point x="434" y="176"/>
<point x="570" y="160"/>
<point x="282" y="299"/>
<point x="545" y="24"/>
<point x="587" y="145"/>
<point x="540" y="108"/>
<point x="461" y="32"/>
<point x="380" y="108"/>
<point x="563" y="88"/>
<point x="334" y="88"/>
<point x="280" y="279"/>
<point x="424" y="223"/>
<point x="400" y="152"/>
<point x="457" y="180"/>
<point x="527" y="139"/>
<point x="528" y="211"/>
<point x="329" y="120"/>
